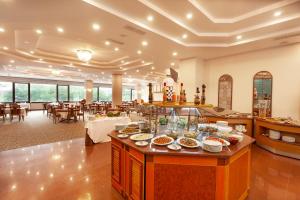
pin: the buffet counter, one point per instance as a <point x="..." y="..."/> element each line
<point x="155" y="172"/>
<point x="276" y="142"/>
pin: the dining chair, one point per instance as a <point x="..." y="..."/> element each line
<point x="2" y="112"/>
<point x="80" y="112"/>
<point x="15" y="110"/>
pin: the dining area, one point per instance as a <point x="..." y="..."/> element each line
<point x="10" y="111"/>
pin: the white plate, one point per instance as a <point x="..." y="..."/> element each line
<point x="141" y="143"/>
<point x="122" y="136"/>
<point x="174" y="147"/>
<point x="141" y="136"/>
<point x="226" y="143"/>
<point x="171" y="140"/>
<point x="197" y="142"/>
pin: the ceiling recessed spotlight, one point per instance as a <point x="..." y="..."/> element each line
<point x="40" y="59"/>
<point x="151" y="72"/>
<point x="143" y="61"/>
<point x="174" y="53"/>
<point x="189" y="15"/>
<point x="184" y="36"/>
<point x="12" y="61"/>
<point x="107" y="43"/>
<point x="150" y="18"/>
<point x="39" y="31"/>
<point x="79" y="70"/>
<point x="239" y="37"/>
<point x="102" y="72"/>
<point x="137" y="70"/>
<point x="172" y="64"/>
<point x="125" y="73"/>
<point x="122" y="61"/>
<point x="152" y="67"/>
<point x="145" y="43"/>
<point x="60" y="29"/>
<point x="32" y="52"/>
<point x="5" y="48"/>
<point x="116" y="49"/>
<point x="2" y="30"/>
<point x="50" y="66"/>
<point x="277" y="13"/>
<point x="121" y="67"/>
<point x="96" y="27"/>
<point x="139" y="52"/>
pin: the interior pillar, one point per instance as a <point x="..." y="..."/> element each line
<point x="88" y="91"/>
<point x="116" y="89"/>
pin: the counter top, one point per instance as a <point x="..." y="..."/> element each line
<point x="152" y="149"/>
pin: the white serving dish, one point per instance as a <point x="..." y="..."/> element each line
<point x="171" y="140"/>
<point x="174" y="147"/>
<point x="122" y="136"/>
<point x="197" y="143"/>
<point x="290" y="139"/>
<point x="141" y="143"/>
<point x="222" y="123"/>
<point x="226" y="143"/>
<point x="212" y="146"/>
<point x="141" y="136"/>
<point x="275" y="135"/>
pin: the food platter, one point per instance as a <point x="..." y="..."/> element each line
<point x="162" y="140"/>
<point x="122" y="136"/>
<point x="224" y="142"/>
<point x="141" y="136"/>
<point x="129" y="131"/>
<point x="188" y="142"/>
<point x="141" y="143"/>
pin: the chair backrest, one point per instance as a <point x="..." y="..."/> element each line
<point x="2" y="110"/>
<point x="15" y="109"/>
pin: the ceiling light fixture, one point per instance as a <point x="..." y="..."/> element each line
<point x="277" y="13"/>
<point x="39" y="31"/>
<point x="2" y="30"/>
<point x="239" y="37"/>
<point x="172" y="64"/>
<point x="116" y="49"/>
<point x="107" y="43"/>
<point x="137" y="70"/>
<point x="84" y="55"/>
<point x="32" y="52"/>
<point x="5" y="48"/>
<point x="139" y="52"/>
<point x="102" y="72"/>
<point x="143" y="61"/>
<point x="152" y="67"/>
<point x="96" y="27"/>
<point x="145" y="43"/>
<point x="184" y="36"/>
<point x="150" y="18"/>
<point x="60" y="29"/>
<point x="174" y="53"/>
<point x="189" y="15"/>
<point x="50" y="66"/>
<point x="12" y="61"/>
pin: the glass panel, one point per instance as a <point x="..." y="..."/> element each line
<point x="126" y="94"/>
<point x="62" y="93"/>
<point x="95" y="94"/>
<point x="105" y="94"/>
<point x="6" y="92"/>
<point x="21" y="92"/>
<point x="76" y="93"/>
<point x="42" y="93"/>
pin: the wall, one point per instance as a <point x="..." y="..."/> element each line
<point x="283" y="63"/>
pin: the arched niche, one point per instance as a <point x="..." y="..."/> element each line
<point x="225" y="92"/>
<point x="262" y="94"/>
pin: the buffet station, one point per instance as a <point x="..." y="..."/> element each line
<point x="174" y="155"/>
<point x="279" y="135"/>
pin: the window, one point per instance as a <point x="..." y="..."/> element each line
<point x="105" y="94"/>
<point x="42" y="93"/>
<point x="76" y="93"/>
<point x="63" y="93"/>
<point x="95" y="94"/>
<point x="126" y="94"/>
<point x="5" y="92"/>
<point x="21" y="92"/>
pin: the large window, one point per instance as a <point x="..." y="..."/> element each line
<point x="76" y="93"/>
<point x="95" y="94"/>
<point x="42" y="93"/>
<point x="63" y="93"/>
<point x="105" y="94"/>
<point x="21" y="92"/>
<point x="126" y="94"/>
<point x="5" y="92"/>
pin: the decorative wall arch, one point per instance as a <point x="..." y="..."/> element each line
<point x="225" y="91"/>
<point x="262" y="94"/>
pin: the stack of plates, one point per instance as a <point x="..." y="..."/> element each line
<point x="290" y="139"/>
<point x="275" y="135"/>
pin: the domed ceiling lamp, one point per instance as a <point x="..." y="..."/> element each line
<point x="84" y="55"/>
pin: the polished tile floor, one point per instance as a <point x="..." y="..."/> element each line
<point x="69" y="170"/>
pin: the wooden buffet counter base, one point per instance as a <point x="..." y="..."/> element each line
<point x="277" y="146"/>
<point x="154" y="172"/>
<point x="232" y="121"/>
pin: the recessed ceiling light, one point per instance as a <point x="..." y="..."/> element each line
<point x="116" y="49"/>
<point x="137" y="70"/>
<point x="239" y="37"/>
<point x="79" y="70"/>
<point x="174" y="53"/>
<point x="60" y="29"/>
<point x="145" y="43"/>
<point x="96" y="27"/>
<point x="184" y="36"/>
<point x="2" y="30"/>
<point x="122" y="61"/>
<point x="277" y="13"/>
<point x="172" y="63"/>
<point x="152" y="67"/>
<point x="150" y="18"/>
<point x="32" y="52"/>
<point x="121" y="67"/>
<point x="50" y="66"/>
<point x="39" y="31"/>
<point x="107" y="43"/>
<point x="12" y="61"/>
<point x="40" y="59"/>
<point x="102" y="72"/>
<point x="125" y="73"/>
<point x="5" y="48"/>
<point x="143" y="61"/>
<point x="139" y="52"/>
<point x="151" y="72"/>
<point x="189" y="15"/>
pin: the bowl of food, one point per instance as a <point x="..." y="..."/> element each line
<point x="188" y="142"/>
<point x="212" y="146"/>
<point x="233" y="140"/>
<point x="191" y="134"/>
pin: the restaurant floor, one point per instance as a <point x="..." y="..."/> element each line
<point x="69" y="170"/>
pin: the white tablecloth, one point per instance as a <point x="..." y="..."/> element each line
<point x="7" y="111"/>
<point x="99" y="128"/>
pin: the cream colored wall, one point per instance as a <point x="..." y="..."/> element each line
<point x="283" y="63"/>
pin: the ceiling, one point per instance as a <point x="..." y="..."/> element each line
<point x="127" y="41"/>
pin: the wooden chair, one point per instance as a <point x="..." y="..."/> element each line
<point x="2" y="112"/>
<point x="80" y="112"/>
<point x="72" y="114"/>
<point x="15" y="110"/>
<point x="55" y="114"/>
